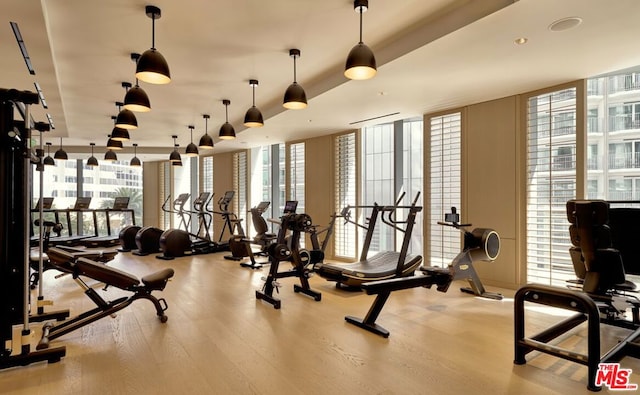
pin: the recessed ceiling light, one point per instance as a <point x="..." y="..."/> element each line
<point x="520" y="40"/>
<point x="565" y="24"/>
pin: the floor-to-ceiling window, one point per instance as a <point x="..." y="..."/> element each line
<point x="392" y="161"/>
<point x="69" y="179"/>
<point x="377" y="174"/>
<point x="412" y="175"/>
<point x="240" y="185"/>
<point x="444" y="185"/>
<point x="551" y="181"/>
<point x="613" y="137"/>
<point x="345" y="245"/>
<point x="296" y="174"/>
<point x="206" y="183"/>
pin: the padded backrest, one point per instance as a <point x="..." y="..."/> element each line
<point x="259" y="223"/>
<point x="593" y="257"/>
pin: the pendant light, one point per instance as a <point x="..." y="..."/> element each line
<point x="135" y="161"/>
<point x="92" y="161"/>
<point x="126" y="119"/>
<point x="192" y="149"/>
<point x="226" y="130"/>
<point x="361" y="63"/>
<point x="119" y="134"/>
<point x="113" y="144"/>
<point x="60" y="153"/>
<point x="177" y="162"/>
<point x="294" y="96"/>
<point x="206" y="142"/>
<point x="253" y="117"/>
<point x="48" y="160"/>
<point x="175" y="155"/>
<point x="110" y="156"/>
<point x="136" y="99"/>
<point x="152" y="67"/>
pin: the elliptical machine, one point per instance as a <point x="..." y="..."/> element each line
<point x="180" y="242"/>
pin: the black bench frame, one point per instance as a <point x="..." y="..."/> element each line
<point x="82" y="267"/>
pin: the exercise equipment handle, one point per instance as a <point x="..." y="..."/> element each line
<point x="453" y="225"/>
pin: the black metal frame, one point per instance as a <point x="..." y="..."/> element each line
<point x="586" y="310"/>
<point x="283" y="251"/>
<point x="15" y="162"/>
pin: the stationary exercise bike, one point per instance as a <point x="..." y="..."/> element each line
<point x="240" y="244"/>
<point x="288" y="249"/>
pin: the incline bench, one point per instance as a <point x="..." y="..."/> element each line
<point x="83" y="267"/>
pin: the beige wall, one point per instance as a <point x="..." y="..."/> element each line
<point x="150" y="202"/>
<point x="490" y="182"/>
<point x="318" y="191"/>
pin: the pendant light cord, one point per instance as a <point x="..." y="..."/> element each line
<point x="254" y="95"/>
<point x="295" y="81"/>
<point x="360" y="12"/>
<point x="153" y="32"/>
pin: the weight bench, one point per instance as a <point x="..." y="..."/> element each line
<point x="82" y="267"/>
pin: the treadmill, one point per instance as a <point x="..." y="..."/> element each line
<point x="384" y="264"/>
<point x="47" y="204"/>
<point x="112" y="238"/>
<point x="80" y="207"/>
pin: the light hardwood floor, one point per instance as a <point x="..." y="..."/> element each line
<point x="220" y="340"/>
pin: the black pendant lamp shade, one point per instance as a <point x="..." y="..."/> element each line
<point x="136" y="98"/>
<point x="126" y="119"/>
<point x="60" y="153"/>
<point x="118" y="134"/>
<point x="253" y="117"/>
<point x="192" y="149"/>
<point x="152" y="67"/>
<point x="135" y="161"/>
<point x="361" y="63"/>
<point x="206" y="142"/>
<point x="113" y="144"/>
<point x="294" y="97"/>
<point x="110" y="156"/>
<point x="175" y="155"/>
<point x="226" y="130"/>
<point x="48" y="160"/>
<point x="92" y="161"/>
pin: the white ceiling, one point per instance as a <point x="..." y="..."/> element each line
<point x="432" y="55"/>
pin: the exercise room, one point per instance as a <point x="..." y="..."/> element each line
<point x="298" y="197"/>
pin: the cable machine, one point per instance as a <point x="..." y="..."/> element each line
<point x="15" y="216"/>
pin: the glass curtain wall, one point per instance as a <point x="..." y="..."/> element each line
<point x="392" y="164"/>
<point x="69" y="179"/>
<point x="378" y="180"/>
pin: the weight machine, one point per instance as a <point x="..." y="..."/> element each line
<point x="15" y="217"/>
